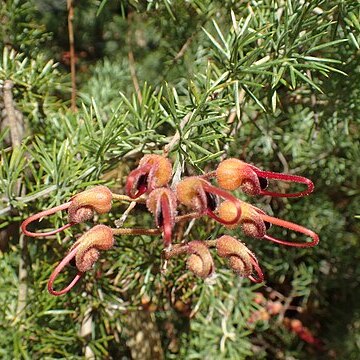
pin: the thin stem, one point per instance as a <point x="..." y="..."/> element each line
<point x="209" y="175"/>
<point x="179" y="249"/>
<point x="120" y="197"/>
<point x="131" y="231"/>
<point x="64" y="262"/>
<point x="120" y="222"/>
<point x="185" y="217"/>
<point x="40" y="215"/>
<point x="176" y="250"/>
<point x="291" y="226"/>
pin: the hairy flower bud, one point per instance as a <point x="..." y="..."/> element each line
<point x="83" y="205"/>
<point x="86" y="250"/>
<point x="201" y="196"/>
<point x="100" y="237"/>
<point x="200" y="261"/>
<point x="163" y="169"/>
<point x="234" y="173"/>
<point x="241" y="259"/>
<point x="236" y="253"/>
<point x="250" y="220"/>
<point x="154" y="171"/>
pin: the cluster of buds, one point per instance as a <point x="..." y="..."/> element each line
<point x="149" y="184"/>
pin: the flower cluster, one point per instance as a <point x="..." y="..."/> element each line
<point x="149" y="184"/>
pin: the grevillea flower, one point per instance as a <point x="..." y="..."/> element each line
<point x="85" y="251"/>
<point x="255" y="223"/>
<point x="162" y="204"/>
<point x="201" y="196"/>
<point x="241" y="259"/>
<point x="153" y="171"/>
<point x="80" y="208"/>
<point x="200" y="261"/>
<point x="233" y="173"/>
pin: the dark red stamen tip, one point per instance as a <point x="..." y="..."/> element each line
<point x="225" y="195"/>
<point x="40" y="215"/>
<point x="259" y="278"/>
<point x="284" y="177"/>
<point x="137" y="181"/>
<point x="64" y="262"/>
<point x="167" y="219"/>
<point x="290" y="226"/>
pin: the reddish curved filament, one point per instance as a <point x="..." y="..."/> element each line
<point x="285" y="177"/>
<point x="64" y="262"/>
<point x="41" y="214"/>
<point x="259" y="274"/>
<point x="225" y="195"/>
<point x="166" y="213"/>
<point x="291" y="226"/>
<point x="134" y="177"/>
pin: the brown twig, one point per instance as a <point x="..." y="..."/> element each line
<point x="16" y="142"/>
<point x="175" y="139"/>
<point x="10" y="112"/>
<point x="183" y="49"/>
<point x="70" y="8"/>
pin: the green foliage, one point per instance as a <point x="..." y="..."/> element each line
<point x="274" y="83"/>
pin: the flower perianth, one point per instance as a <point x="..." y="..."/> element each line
<point x="255" y="223"/>
<point x="200" y="261"/>
<point x="234" y="173"/>
<point x="200" y="195"/>
<point x="100" y="237"/>
<point x="153" y="171"/>
<point x="162" y="204"/>
<point x="85" y="251"/>
<point x="83" y="205"/>
<point x="81" y="208"/>
<point x="241" y="259"/>
<point x="250" y="220"/>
